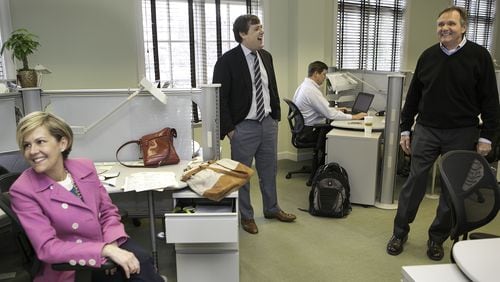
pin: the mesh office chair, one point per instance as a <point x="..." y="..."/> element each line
<point x="474" y="193"/>
<point x="296" y="123"/>
<point x="30" y="263"/>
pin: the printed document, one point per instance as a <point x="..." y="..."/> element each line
<point x="144" y="181"/>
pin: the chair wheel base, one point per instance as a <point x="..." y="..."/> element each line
<point x="288" y="176"/>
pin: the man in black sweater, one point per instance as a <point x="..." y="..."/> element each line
<point x="453" y="83"/>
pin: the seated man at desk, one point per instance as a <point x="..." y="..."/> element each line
<point x="313" y="105"/>
<point x="65" y="210"/>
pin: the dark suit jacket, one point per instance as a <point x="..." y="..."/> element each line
<point x="231" y="71"/>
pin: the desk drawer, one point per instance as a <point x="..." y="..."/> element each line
<point x="201" y="227"/>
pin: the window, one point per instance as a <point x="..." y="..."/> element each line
<point x="481" y="16"/>
<point x="187" y="41"/>
<point x="370" y="34"/>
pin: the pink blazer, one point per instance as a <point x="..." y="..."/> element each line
<point x="60" y="226"/>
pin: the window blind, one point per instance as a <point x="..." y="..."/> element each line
<point x="188" y="41"/>
<point x="370" y="34"/>
<point x="481" y="14"/>
<point x="2" y="71"/>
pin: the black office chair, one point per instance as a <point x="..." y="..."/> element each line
<point x="6" y="180"/>
<point x="30" y="263"/>
<point x="3" y="170"/>
<point x="296" y="123"/>
<point x="474" y="193"/>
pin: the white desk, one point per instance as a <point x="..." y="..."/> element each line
<point x="432" y="273"/>
<point x="359" y="155"/>
<point x="479" y="259"/>
<point x="378" y="124"/>
<point x="126" y="171"/>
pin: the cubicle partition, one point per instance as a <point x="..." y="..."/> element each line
<point x="8" y="121"/>
<point x="84" y="108"/>
<point x="374" y="82"/>
<point x="141" y="115"/>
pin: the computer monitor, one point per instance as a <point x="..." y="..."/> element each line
<point x="362" y="103"/>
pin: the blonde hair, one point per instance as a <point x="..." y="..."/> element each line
<point x="56" y="126"/>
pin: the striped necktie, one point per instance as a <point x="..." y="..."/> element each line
<point x="259" y="96"/>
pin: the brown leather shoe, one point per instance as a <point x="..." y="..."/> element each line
<point x="281" y="216"/>
<point x="249" y="226"/>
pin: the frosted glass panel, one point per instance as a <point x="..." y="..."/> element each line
<point x="141" y="115"/>
<point x="8" y="125"/>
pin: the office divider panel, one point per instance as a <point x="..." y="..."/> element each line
<point x="141" y="115"/>
<point x="8" y="121"/>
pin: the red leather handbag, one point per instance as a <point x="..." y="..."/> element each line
<point x="157" y="148"/>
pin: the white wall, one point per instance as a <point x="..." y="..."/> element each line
<point x="85" y="43"/>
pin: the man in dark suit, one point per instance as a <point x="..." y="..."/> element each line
<point x="249" y="115"/>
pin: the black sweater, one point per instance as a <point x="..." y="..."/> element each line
<point x="451" y="91"/>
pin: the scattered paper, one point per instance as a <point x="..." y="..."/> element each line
<point x="144" y="181"/>
<point x="110" y="182"/>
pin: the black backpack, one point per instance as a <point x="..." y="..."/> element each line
<point x="330" y="191"/>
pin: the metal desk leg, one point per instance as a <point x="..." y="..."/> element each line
<point x="152" y="228"/>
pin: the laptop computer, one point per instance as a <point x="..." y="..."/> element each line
<point x="362" y="103"/>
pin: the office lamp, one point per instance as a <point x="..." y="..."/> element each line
<point x="339" y="81"/>
<point x="143" y="85"/>
<point x="344" y="80"/>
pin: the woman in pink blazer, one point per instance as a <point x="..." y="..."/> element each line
<point x="65" y="210"/>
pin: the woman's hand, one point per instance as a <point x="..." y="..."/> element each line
<point x="123" y="258"/>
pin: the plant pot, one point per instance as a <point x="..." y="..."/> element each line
<point x="27" y="78"/>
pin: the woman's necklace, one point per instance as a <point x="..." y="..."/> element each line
<point x="74" y="188"/>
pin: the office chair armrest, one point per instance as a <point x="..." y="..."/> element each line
<point x="109" y="264"/>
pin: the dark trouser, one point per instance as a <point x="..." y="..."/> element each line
<point x="257" y="140"/>
<point x="426" y="145"/>
<point x="148" y="272"/>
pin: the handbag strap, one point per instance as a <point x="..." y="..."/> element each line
<point x="231" y="172"/>
<point x="123" y="145"/>
<point x="193" y="171"/>
<point x="235" y="173"/>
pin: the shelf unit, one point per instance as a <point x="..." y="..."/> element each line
<point x="206" y="241"/>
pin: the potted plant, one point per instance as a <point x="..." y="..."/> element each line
<point x="22" y="43"/>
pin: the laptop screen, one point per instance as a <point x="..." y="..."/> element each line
<point x="362" y="103"/>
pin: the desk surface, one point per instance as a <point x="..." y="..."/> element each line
<point x="432" y="273"/>
<point x="124" y="171"/>
<point x="479" y="259"/>
<point x="378" y="124"/>
<point x="348" y="133"/>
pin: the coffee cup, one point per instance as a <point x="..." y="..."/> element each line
<point x="368" y="125"/>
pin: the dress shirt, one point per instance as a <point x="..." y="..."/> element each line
<point x="252" y="114"/>
<point x="314" y="106"/>
<point x="452" y="51"/>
